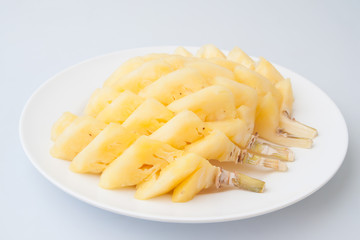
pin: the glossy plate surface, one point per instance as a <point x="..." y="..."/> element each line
<point x="70" y="90"/>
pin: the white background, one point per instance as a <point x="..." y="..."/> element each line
<point x="318" y="39"/>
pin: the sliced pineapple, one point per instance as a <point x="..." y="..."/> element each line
<point x="239" y="56"/>
<point x="175" y="85"/>
<point x="266" y="69"/>
<point x="209" y="51"/>
<point x="61" y="124"/>
<point x="144" y="157"/>
<point x="99" y="100"/>
<point x="106" y="147"/>
<point x="76" y="137"/>
<point x="209" y="70"/>
<point x="148" y="117"/>
<point x="120" y="108"/>
<point x="169" y="177"/>
<point x="182" y="52"/>
<point x="181" y="130"/>
<point x="210" y="104"/>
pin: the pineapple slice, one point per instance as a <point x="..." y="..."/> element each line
<point x="209" y="70"/>
<point x="143" y="76"/>
<point x="210" y="104"/>
<point x="106" y="147"/>
<point x="120" y="108"/>
<point x="267" y="124"/>
<point x="182" y="52"/>
<point x="99" y="100"/>
<point x="209" y="51"/>
<point x="169" y="177"/>
<point x="224" y="63"/>
<point x="148" y="117"/>
<point x="235" y="129"/>
<point x="61" y="124"/>
<point x="129" y="66"/>
<point x="144" y="157"/>
<point x="203" y="178"/>
<point x="76" y="137"/>
<point x="181" y="130"/>
<point x="239" y="56"/>
<point x="267" y="70"/>
<point x="175" y="85"/>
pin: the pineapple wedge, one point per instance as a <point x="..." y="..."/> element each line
<point x="169" y="177"/>
<point x="143" y="76"/>
<point x="266" y="69"/>
<point x="213" y="103"/>
<point x="99" y="100"/>
<point x="61" y="124"/>
<point x="182" y="52"/>
<point x="209" y="70"/>
<point x="148" y="117"/>
<point x="209" y="51"/>
<point x="106" y="147"/>
<point x="76" y="137"/>
<point x="203" y="178"/>
<point x="175" y="85"/>
<point x="181" y="130"/>
<point x="239" y="56"/>
<point x="144" y="157"/>
<point x="120" y="108"/>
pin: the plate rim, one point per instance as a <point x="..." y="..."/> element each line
<point x="168" y="218"/>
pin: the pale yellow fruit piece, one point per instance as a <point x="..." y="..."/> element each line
<point x="76" y="137"/>
<point x="215" y="146"/>
<point x="106" y="147"/>
<point x="239" y="56"/>
<point x="236" y="130"/>
<point x="181" y="130"/>
<point x="148" y="117"/>
<point x="202" y="178"/>
<point x="129" y="66"/>
<point x="99" y="100"/>
<point x="287" y="97"/>
<point x="61" y="124"/>
<point x="209" y="70"/>
<point x="256" y="81"/>
<point x="266" y="69"/>
<point x="210" y="104"/>
<point x="144" y="157"/>
<point x="209" y="51"/>
<point x="182" y="52"/>
<point x="169" y="177"/>
<point x="175" y="85"/>
<point x="247" y="114"/>
<point x="120" y="108"/>
<point x="143" y="76"/>
<point x="224" y="63"/>
<point x="244" y="95"/>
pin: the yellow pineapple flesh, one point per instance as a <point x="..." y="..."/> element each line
<point x="239" y="56"/>
<point x="99" y="100"/>
<point x="61" y="124"/>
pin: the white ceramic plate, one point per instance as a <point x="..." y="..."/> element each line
<point x="70" y="90"/>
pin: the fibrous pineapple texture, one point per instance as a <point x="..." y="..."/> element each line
<point x="160" y="118"/>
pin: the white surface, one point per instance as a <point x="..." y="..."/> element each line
<point x="319" y="40"/>
<point x="306" y="175"/>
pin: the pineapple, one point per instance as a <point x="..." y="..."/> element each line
<point x="203" y="178"/>
<point x="143" y="158"/>
<point x="76" y="137"/>
<point x="105" y="147"/>
<point x="175" y="85"/>
<point x="182" y="52"/>
<point x="239" y="56"/>
<point x="210" y="104"/>
<point x="129" y="66"/>
<point x="224" y="63"/>
<point x="267" y="70"/>
<point x="99" y="100"/>
<point x="169" y="177"/>
<point x="120" y="108"/>
<point x="209" y="51"/>
<point x="143" y="76"/>
<point x="61" y="124"/>
<point x="148" y="117"/>
<point x="181" y="130"/>
<point x="209" y="70"/>
<point x="267" y="124"/>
